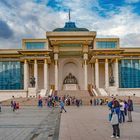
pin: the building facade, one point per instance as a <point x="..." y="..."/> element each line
<point x="70" y="58"/>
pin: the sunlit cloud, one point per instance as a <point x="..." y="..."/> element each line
<point x="32" y="18"/>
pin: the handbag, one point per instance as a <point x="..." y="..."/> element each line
<point x="109" y="116"/>
<point x="114" y="119"/>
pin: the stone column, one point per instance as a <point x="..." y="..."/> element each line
<point x="96" y="73"/>
<point x="106" y="74"/>
<point x="116" y="76"/>
<point x="45" y="74"/>
<point x="85" y="71"/>
<point x="25" y="75"/>
<point x="92" y="74"/>
<point x="36" y="73"/>
<point x="56" y="70"/>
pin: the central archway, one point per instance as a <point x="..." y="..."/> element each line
<point x="70" y="74"/>
<point x="73" y="66"/>
<point x="70" y="67"/>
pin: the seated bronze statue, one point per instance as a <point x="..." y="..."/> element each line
<point x="70" y="79"/>
<point x="32" y="81"/>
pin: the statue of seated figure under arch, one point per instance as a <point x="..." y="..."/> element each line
<point x="70" y="79"/>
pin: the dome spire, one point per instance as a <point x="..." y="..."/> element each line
<point x="69" y="26"/>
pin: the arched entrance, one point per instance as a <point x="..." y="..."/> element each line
<point x="70" y="76"/>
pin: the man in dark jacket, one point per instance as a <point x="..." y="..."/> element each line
<point x="129" y="109"/>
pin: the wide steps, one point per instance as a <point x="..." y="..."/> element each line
<point x="80" y="94"/>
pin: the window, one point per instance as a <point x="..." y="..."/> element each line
<point x="106" y="44"/>
<point x="11" y="75"/>
<point x="129" y="74"/>
<point x="35" y="45"/>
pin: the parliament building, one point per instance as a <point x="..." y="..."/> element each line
<point x="70" y="58"/>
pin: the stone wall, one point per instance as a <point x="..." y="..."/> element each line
<point x="7" y="94"/>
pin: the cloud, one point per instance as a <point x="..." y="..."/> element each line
<point x="31" y="19"/>
<point x="132" y="1"/>
<point x="5" y="31"/>
<point x="131" y="40"/>
<point x="5" y="3"/>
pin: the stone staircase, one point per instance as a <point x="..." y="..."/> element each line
<point x="79" y="94"/>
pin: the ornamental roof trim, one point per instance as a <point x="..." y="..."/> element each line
<point x="71" y="27"/>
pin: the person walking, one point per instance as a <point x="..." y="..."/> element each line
<point x="62" y="106"/>
<point x="14" y="106"/>
<point x="129" y="109"/>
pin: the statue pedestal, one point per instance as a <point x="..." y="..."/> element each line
<point x="32" y="92"/>
<point x="70" y="87"/>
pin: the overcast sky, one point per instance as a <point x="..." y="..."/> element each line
<point x="32" y="18"/>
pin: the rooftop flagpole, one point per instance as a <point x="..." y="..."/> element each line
<point x="69" y="15"/>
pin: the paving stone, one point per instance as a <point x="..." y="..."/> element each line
<point x="28" y="123"/>
<point x="91" y="123"/>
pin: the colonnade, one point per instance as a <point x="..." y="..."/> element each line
<point x="116" y="76"/>
<point x="85" y="58"/>
<point x="26" y="74"/>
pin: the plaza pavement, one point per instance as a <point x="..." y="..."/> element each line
<point x="91" y="123"/>
<point x="83" y="123"/>
<point x="29" y="123"/>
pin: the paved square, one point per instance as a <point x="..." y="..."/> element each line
<point x="28" y="123"/>
<point x="91" y="123"/>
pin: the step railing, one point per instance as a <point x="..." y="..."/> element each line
<point x="102" y="92"/>
<point x="95" y="92"/>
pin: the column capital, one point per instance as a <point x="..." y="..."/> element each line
<point x="106" y="60"/>
<point x="25" y="61"/>
<point x="45" y="61"/>
<point x="55" y="48"/>
<point x="35" y="61"/>
<point x="85" y="47"/>
<point x="85" y="56"/>
<point x="96" y="60"/>
<point x="116" y="60"/>
<point x="56" y="56"/>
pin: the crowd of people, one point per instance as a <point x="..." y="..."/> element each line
<point x="69" y="100"/>
<point x="118" y="110"/>
<point x="98" y="101"/>
<point x="54" y="100"/>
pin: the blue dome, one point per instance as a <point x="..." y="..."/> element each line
<point x="70" y="27"/>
